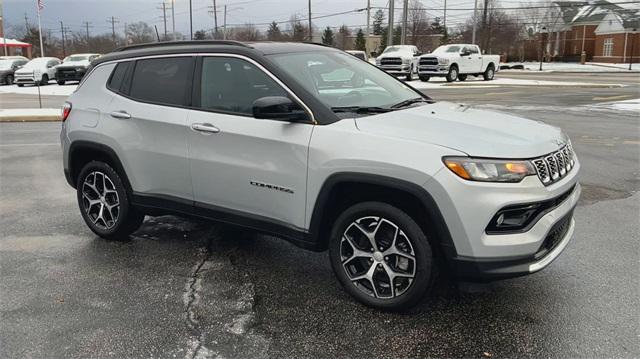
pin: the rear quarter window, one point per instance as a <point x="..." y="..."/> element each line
<point x="117" y="76"/>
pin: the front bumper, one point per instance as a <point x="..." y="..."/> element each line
<point x="395" y="69"/>
<point x="24" y="79"/>
<point x="468" y="207"/>
<point x="433" y="70"/>
<point x="70" y="74"/>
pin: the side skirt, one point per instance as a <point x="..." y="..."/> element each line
<point x="162" y="204"/>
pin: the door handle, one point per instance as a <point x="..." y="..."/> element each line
<point x="205" y="128"/>
<point x="122" y="115"/>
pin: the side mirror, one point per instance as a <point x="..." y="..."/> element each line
<point x="465" y="53"/>
<point x="278" y="108"/>
<point x="418" y="54"/>
<point x="49" y="66"/>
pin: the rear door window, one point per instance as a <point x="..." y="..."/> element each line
<point x="163" y="81"/>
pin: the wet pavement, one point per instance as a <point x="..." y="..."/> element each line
<point x="184" y="288"/>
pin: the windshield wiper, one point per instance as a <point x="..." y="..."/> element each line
<point x="361" y="109"/>
<point x="408" y="102"/>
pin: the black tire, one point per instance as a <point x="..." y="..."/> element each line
<point x="127" y="220"/>
<point x="462" y="77"/>
<point x="410" y="74"/>
<point x="60" y="82"/>
<point x="424" y="78"/>
<point x="8" y="80"/>
<point x="44" y="81"/>
<point x="453" y="73"/>
<point x="20" y="85"/>
<point x="423" y="267"/>
<point x="489" y="73"/>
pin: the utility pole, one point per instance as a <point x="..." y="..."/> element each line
<point x="113" y="22"/>
<point x="224" y="34"/>
<point x="444" y="17"/>
<point x="173" y="18"/>
<point x="164" y="18"/>
<point x="4" y="38"/>
<point x="126" y="37"/>
<point x="405" y="9"/>
<point x="310" y="28"/>
<point x="390" y="28"/>
<point x="475" y="21"/>
<point x="190" y="20"/>
<point x="215" y="20"/>
<point x="366" y="43"/>
<point x="26" y="22"/>
<point x="64" y="51"/>
<point x="87" y="25"/>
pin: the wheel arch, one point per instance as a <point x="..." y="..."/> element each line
<point x="341" y="190"/>
<point x="83" y="152"/>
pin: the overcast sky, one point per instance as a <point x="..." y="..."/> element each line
<point x="96" y="12"/>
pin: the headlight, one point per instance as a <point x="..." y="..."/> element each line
<point x="377" y="61"/>
<point x="442" y="61"/>
<point x="486" y="170"/>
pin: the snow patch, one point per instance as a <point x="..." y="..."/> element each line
<point x="624" y="105"/>
<point x="29" y="112"/>
<point x="52" y="89"/>
<point x="497" y="82"/>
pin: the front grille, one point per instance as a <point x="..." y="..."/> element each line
<point x="391" y="61"/>
<point x="554" y="166"/>
<point x="556" y="234"/>
<point x="428" y="61"/>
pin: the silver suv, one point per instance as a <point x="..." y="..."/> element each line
<point x="325" y="150"/>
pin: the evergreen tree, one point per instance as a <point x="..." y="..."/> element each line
<point x="199" y="35"/>
<point x="327" y="36"/>
<point x="378" y="21"/>
<point x="361" y="42"/>
<point x="273" y="32"/>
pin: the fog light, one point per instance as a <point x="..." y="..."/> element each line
<point x="514" y="218"/>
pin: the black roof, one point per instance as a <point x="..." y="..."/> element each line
<point x="204" y="46"/>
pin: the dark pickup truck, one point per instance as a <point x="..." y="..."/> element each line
<point x="74" y="67"/>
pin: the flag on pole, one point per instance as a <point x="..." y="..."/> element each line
<point x="40" y="5"/>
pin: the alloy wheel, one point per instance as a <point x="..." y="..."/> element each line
<point x="100" y="200"/>
<point x="378" y="257"/>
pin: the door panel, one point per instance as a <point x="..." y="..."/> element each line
<point x="239" y="162"/>
<point x="250" y="165"/>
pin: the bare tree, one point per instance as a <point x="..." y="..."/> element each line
<point x="248" y="32"/>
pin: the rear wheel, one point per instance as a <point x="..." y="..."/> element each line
<point x="453" y="73"/>
<point x="104" y="203"/>
<point x="8" y="80"/>
<point x="489" y="73"/>
<point x="381" y="256"/>
<point x="424" y="78"/>
<point x="462" y="77"/>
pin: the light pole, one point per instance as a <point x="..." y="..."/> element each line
<point x="542" y="46"/>
<point x="633" y="32"/>
<point x="173" y="19"/>
<point x="190" y="20"/>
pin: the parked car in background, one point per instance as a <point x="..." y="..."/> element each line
<point x="8" y="66"/>
<point x="74" y="67"/>
<point x="359" y="54"/>
<point x="399" y="60"/>
<point x="457" y="61"/>
<point x="37" y="71"/>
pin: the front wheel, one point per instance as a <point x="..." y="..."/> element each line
<point x="9" y="80"/>
<point x="453" y="74"/>
<point x="489" y="73"/>
<point x="60" y="82"/>
<point x="104" y="203"/>
<point x="44" y="80"/>
<point x="424" y="78"/>
<point x="410" y="74"/>
<point x="381" y="256"/>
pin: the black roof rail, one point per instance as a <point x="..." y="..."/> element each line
<point x="317" y="43"/>
<point x="190" y="42"/>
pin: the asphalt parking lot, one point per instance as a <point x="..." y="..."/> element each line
<point x="182" y="288"/>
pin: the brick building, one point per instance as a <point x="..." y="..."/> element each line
<point x="604" y="31"/>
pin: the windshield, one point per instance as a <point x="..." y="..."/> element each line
<point x="5" y="64"/>
<point x="77" y="58"/>
<point x="444" y="49"/>
<point x="35" y="63"/>
<point x="395" y="49"/>
<point x="341" y="80"/>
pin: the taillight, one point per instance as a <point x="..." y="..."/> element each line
<point x="66" y="110"/>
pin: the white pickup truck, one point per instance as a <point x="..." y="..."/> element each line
<point x="399" y="60"/>
<point x="457" y="61"/>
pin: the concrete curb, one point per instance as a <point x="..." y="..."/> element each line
<point x="38" y="118"/>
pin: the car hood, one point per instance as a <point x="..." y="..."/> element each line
<point x="395" y="54"/>
<point x="475" y="132"/>
<point x="83" y="63"/>
<point x="24" y="71"/>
